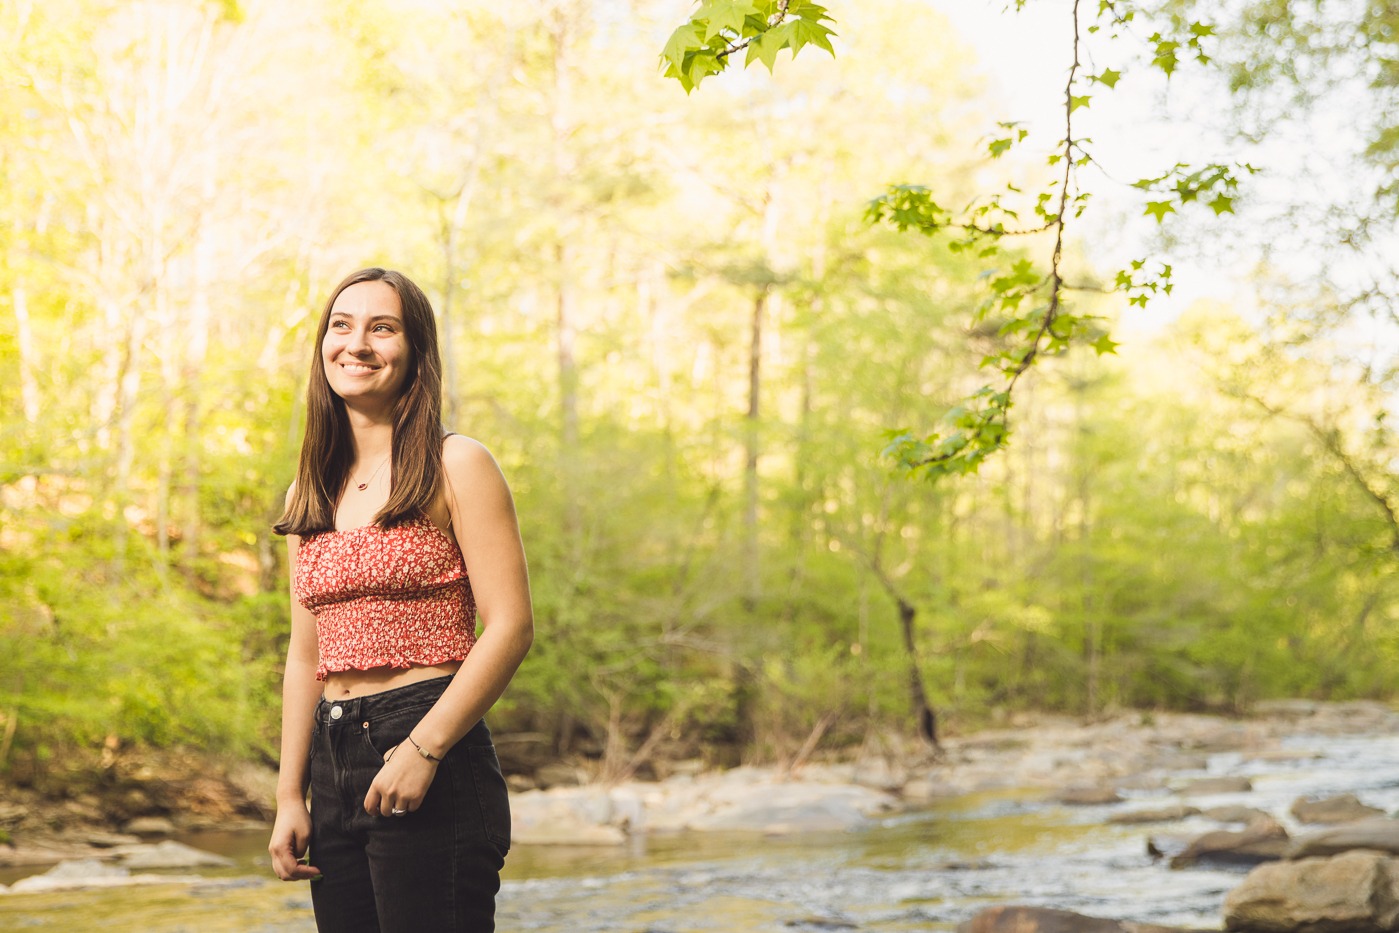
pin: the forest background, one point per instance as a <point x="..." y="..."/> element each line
<point x="671" y="321"/>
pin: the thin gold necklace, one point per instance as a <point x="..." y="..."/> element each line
<point x="365" y="485"/>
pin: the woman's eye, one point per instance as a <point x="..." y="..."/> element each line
<point x="383" y="328"/>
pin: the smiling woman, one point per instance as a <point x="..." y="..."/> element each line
<point x="364" y="350"/>
<point x="387" y="514"/>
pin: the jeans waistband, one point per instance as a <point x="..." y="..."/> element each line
<point x="372" y="705"/>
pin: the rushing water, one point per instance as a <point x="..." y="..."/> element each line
<point x="926" y="870"/>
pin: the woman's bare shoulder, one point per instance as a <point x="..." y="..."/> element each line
<point x="470" y="469"/>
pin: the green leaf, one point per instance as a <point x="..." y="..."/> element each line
<point x="1105" y="344"/>
<point x="684" y="40"/>
<point x="704" y="64"/>
<point x="1159" y="209"/>
<point x="809" y="32"/>
<point x="1222" y="204"/>
<point x="721" y="15"/>
<point x="1108" y="77"/>
<point x="1077" y="101"/>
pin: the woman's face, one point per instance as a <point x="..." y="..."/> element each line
<point x="365" y="350"/>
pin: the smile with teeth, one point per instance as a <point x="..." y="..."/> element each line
<point x="356" y="369"/>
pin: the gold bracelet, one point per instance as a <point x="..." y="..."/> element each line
<point x="424" y="752"/>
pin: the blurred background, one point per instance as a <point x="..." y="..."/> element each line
<point x="667" y="318"/>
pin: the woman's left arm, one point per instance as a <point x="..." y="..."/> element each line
<point x="483" y="520"/>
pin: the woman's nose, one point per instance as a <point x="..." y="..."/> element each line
<point x="358" y="343"/>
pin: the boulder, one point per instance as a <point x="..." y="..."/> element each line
<point x="104" y="840"/>
<point x="1016" y="919"/>
<point x="1342" y="808"/>
<point x="90" y="873"/>
<point x="560" y="775"/>
<point x="74" y="873"/>
<point x="1088" y="796"/>
<point x="1217" y="785"/>
<point x="587" y="816"/>
<point x="1176" y="811"/>
<point x="168" y="854"/>
<point x="1236" y="814"/>
<point x="1350" y="893"/>
<point x="1258" y="842"/>
<point x="149" y="826"/>
<point x="1140" y="782"/>
<point x="1381" y="835"/>
<point x="791" y="808"/>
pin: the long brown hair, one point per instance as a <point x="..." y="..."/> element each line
<point x="326" y="452"/>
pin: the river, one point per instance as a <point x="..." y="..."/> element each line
<point x="922" y="870"/>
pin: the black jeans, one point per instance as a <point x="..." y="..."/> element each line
<point x="436" y="869"/>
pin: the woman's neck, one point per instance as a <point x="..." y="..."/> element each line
<point x="370" y="439"/>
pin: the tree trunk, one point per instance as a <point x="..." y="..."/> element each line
<point x="565" y="290"/>
<point x="753" y="577"/>
<point x="922" y="712"/>
<point x="28" y="387"/>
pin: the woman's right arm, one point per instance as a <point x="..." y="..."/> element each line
<point x="291" y="833"/>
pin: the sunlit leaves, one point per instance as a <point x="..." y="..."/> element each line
<point x="1105" y="344"/>
<point x="999" y="146"/>
<point x="1215" y="185"/>
<point x="908" y="207"/>
<point x="1159" y="209"/>
<point x="718" y="28"/>
<point x="1107" y="77"/>
<point x="974" y="430"/>
<point x="1139" y="283"/>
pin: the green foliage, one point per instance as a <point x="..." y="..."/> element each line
<point x="979" y="427"/>
<point x="1151" y="536"/>
<point x="98" y="651"/>
<point x="720" y="28"/>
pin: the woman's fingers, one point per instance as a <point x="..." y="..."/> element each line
<point x="291" y="836"/>
<point x="399" y="786"/>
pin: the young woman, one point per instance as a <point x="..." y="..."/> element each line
<point x="386" y="680"/>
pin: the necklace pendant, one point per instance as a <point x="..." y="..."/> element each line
<point x="362" y="486"/>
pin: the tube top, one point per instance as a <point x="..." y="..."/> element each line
<point x="386" y="597"/>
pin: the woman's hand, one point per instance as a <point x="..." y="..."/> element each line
<point x="401" y="783"/>
<point x="291" y="834"/>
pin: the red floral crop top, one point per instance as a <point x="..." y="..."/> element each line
<point x="386" y="597"/>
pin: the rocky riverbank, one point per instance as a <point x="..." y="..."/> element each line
<point x="1130" y="769"/>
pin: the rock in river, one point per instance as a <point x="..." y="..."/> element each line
<point x="1342" y="808"/>
<point x="1379" y="834"/>
<point x="1217" y="785"/>
<point x="1261" y="841"/>
<point x="1049" y="920"/>
<point x="1350" y="893"/>
<point x="1175" y="811"/>
<point x="149" y="826"/>
<point x="90" y="873"/>
<point x="168" y="854"/>
<point x="1236" y="814"/>
<point x="1088" y="795"/>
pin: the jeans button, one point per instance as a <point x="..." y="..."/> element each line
<point x="336" y="712"/>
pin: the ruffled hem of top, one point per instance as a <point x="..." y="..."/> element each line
<point x="399" y="663"/>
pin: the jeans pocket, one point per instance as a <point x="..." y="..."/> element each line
<point x="491" y="794"/>
<point x="392" y="729"/>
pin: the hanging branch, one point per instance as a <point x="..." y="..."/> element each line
<point x="1027" y="306"/>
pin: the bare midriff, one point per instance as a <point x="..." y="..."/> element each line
<point x="346" y="685"/>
